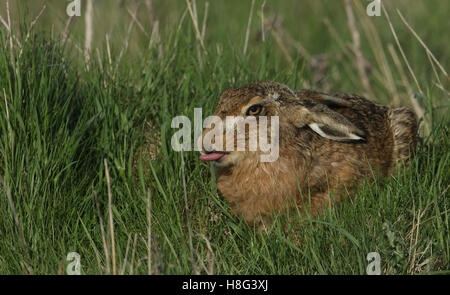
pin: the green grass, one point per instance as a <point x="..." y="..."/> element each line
<point x="60" y="120"/>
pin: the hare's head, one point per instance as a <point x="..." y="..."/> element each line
<point x="273" y="109"/>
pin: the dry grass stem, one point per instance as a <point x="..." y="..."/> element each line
<point x="279" y="40"/>
<point x="9" y="27"/>
<point x="19" y="227"/>
<point x="33" y="23"/>
<point x="193" y="12"/>
<point x="417" y="108"/>
<point x="65" y="33"/>
<point x="188" y="212"/>
<point x="102" y="230"/>
<point x="423" y="44"/>
<point x="205" y="18"/>
<point x="133" y="255"/>
<point x="89" y="30"/>
<point x="138" y="23"/>
<point x="6" y="104"/>
<point x="210" y="257"/>
<point x="126" y="40"/>
<point x="263" y="33"/>
<point x="2" y="20"/>
<point x="247" y="33"/>
<point x="401" y="49"/>
<point x="111" y="219"/>
<point x="125" y="260"/>
<point x="149" y="233"/>
<point x="385" y="76"/>
<point x="151" y="12"/>
<point x="360" y="61"/>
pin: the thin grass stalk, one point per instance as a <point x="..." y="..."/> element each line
<point x="247" y="33"/>
<point x="111" y="219"/>
<point x="102" y="230"/>
<point x="149" y="232"/>
<point x="188" y="211"/>
<point x="89" y="31"/>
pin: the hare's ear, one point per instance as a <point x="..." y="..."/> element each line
<point x="338" y="131"/>
<point x="328" y="123"/>
<point x="328" y="100"/>
<point x="332" y="101"/>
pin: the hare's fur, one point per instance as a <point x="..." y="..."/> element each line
<point x="327" y="144"/>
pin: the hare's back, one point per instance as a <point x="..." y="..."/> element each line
<point x="373" y="119"/>
<point x="370" y="117"/>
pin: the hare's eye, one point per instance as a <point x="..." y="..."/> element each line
<point x="254" y="110"/>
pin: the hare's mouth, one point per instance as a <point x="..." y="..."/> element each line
<point x="212" y="156"/>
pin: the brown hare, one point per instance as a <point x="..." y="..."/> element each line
<point x="327" y="144"/>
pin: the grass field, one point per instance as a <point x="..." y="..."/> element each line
<point x="86" y="163"/>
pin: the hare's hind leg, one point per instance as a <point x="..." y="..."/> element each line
<point x="404" y="131"/>
<point x="317" y="203"/>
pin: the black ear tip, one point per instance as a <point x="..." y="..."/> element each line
<point x="355" y="137"/>
<point x="360" y="133"/>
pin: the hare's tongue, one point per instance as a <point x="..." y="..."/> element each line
<point x="211" y="157"/>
